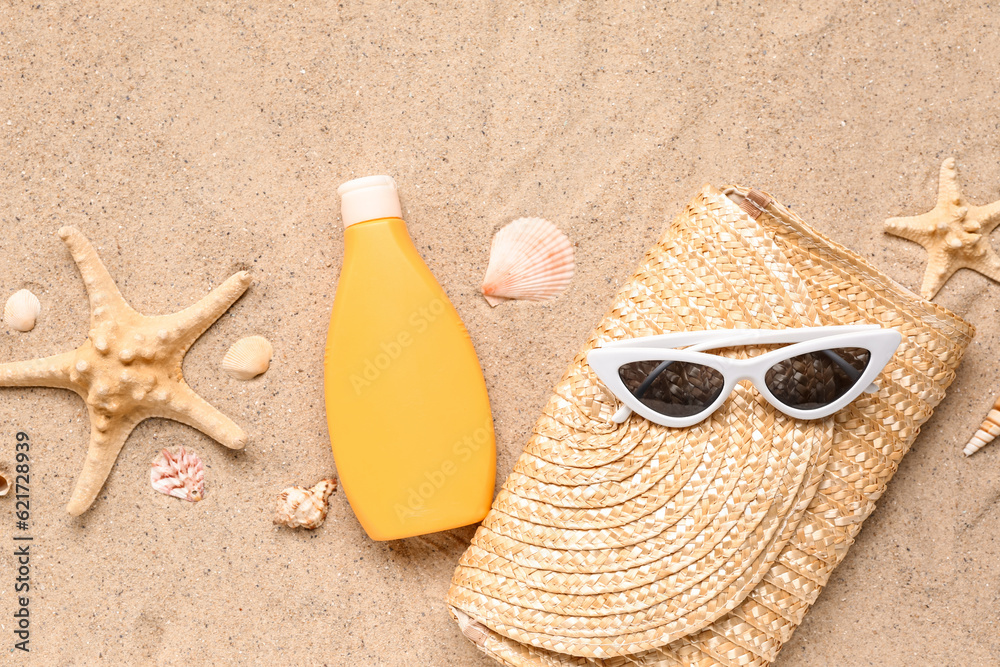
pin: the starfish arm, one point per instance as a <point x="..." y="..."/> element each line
<point x="917" y="228"/>
<point x="988" y="265"/>
<point x="100" y="287"/>
<point x="190" y="323"/>
<point x="940" y="268"/>
<point x="101" y="455"/>
<point x="988" y="216"/>
<point x="187" y="407"/>
<point x="54" y="371"/>
<point x="948" y="192"/>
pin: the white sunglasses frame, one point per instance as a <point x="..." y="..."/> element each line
<point x="607" y="359"/>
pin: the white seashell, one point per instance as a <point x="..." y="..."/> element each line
<point x="22" y="310"/>
<point x="248" y="357"/>
<point x="299" y="507"/>
<point x="4" y="482"/>
<point x="529" y="259"/>
<point x="179" y="472"/>
<point x="988" y="431"/>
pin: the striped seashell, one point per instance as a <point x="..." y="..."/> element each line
<point x="22" y="310"/>
<point x="529" y="259"/>
<point x="248" y="357"/>
<point x="988" y="431"/>
<point x="299" y="507"/>
<point x="179" y="473"/>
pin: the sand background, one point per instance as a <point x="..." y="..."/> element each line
<point x="195" y="139"/>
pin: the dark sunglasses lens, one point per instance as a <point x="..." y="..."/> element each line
<point x="672" y="388"/>
<point x="816" y="379"/>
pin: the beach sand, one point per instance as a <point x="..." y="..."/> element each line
<point x="194" y="140"/>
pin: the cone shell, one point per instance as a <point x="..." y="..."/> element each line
<point x="529" y="259"/>
<point x="248" y="357"/>
<point x="22" y="310"/>
<point x="987" y="432"/>
<point x="179" y="472"/>
<point x="299" y="507"/>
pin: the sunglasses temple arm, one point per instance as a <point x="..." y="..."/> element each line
<point x="651" y="378"/>
<point x="622" y="414"/>
<point x="624" y="411"/>
<point x="850" y="370"/>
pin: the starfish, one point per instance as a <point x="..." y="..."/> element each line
<point x="954" y="233"/>
<point x="129" y="368"/>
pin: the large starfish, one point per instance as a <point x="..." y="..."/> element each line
<point x="954" y="233"/>
<point x="129" y="368"/>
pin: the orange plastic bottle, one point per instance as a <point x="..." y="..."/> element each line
<point x="406" y="402"/>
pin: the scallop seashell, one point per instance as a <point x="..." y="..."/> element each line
<point x="299" y="507"/>
<point x="22" y="310"/>
<point x="248" y="357"/>
<point x="987" y="432"/>
<point x="529" y="259"/>
<point x="179" y="472"/>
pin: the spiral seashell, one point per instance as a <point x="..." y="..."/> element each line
<point x="22" y="310"/>
<point x="248" y="357"/>
<point x="988" y="431"/>
<point x="179" y="473"/>
<point x="529" y="259"/>
<point x="299" y="507"/>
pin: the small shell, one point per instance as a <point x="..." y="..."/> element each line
<point x="248" y="357"/>
<point x="178" y="472"/>
<point x="529" y="259"/>
<point x="22" y="310"/>
<point x="989" y="430"/>
<point x="4" y="482"/>
<point x="299" y="507"/>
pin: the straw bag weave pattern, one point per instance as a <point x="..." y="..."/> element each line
<point x="638" y="544"/>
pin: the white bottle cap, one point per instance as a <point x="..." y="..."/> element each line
<point x="368" y="198"/>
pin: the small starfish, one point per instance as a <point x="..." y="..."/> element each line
<point x="954" y="233"/>
<point x="129" y="368"/>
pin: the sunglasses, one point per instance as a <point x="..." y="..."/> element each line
<point x="670" y="380"/>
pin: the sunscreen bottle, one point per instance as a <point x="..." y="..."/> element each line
<point x="406" y="402"/>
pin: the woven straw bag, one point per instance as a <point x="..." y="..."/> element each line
<point x="637" y="544"/>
